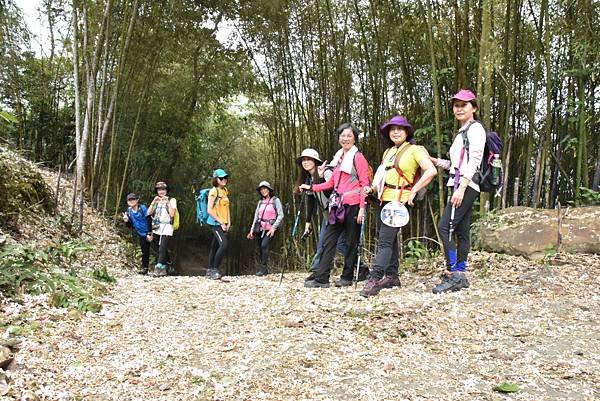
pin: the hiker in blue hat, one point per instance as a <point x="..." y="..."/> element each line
<point x="456" y="218"/>
<point x="219" y="220"/>
<point x="405" y="169"/>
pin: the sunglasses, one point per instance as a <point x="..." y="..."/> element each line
<point x="223" y="178"/>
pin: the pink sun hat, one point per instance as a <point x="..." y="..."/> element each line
<point x="465" y="95"/>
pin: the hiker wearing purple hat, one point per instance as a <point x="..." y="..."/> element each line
<point x="462" y="165"/>
<point x="396" y="183"/>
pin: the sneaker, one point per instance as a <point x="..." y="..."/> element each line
<point x="310" y="277"/>
<point x="143" y="272"/>
<point x="390" y="281"/>
<point x="343" y="282"/>
<point x="315" y="284"/>
<point x="215" y="274"/>
<point x="371" y="289"/>
<point x="454" y="282"/>
<point x="160" y="270"/>
<point x="263" y="271"/>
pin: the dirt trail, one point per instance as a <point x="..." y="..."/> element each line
<point x="189" y="338"/>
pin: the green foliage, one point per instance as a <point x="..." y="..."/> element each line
<point x="24" y="269"/>
<point x="506" y="387"/>
<point x="415" y="252"/>
<point x="588" y="196"/>
<point x="102" y="274"/>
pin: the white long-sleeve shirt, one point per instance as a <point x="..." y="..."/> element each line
<point x="472" y="159"/>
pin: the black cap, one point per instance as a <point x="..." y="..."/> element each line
<point x="132" y="196"/>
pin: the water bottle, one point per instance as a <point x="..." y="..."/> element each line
<point x="496" y="170"/>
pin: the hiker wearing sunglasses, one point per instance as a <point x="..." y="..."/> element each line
<point x="463" y="164"/>
<point x="162" y="209"/>
<point x="397" y="182"/>
<point x="346" y="207"/>
<point x="267" y="218"/>
<point x="315" y="171"/>
<point x="219" y="220"/>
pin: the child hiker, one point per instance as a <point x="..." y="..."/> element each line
<point x="136" y="217"/>
<point x="267" y="218"/>
<point x="463" y="163"/>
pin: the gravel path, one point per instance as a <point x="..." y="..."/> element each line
<point x="189" y="338"/>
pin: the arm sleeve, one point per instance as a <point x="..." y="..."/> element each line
<point x="279" y="210"/>
<point x="362" y="170"/>
<point x="329" y="184"/>
<point x="443" y="163"/>
<point x="476" y="136"/>
<point x="256" y="217"/>
<point x="311" y="205"/>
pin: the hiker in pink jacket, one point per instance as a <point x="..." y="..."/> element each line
<point x="346" y="207"/>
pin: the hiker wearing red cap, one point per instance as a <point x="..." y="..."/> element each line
<point x="397" y="185"/>
<point x="346" y="206"/>
<point x="463" y="163"/>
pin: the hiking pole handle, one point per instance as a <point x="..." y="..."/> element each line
<point x="361" y="240"/>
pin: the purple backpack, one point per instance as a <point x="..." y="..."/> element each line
<point x="489" y="173"/>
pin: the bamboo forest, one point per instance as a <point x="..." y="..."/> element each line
<point x="110" y="102"/>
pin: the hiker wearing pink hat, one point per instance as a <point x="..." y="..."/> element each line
<point x="465" y="158"/>
<point x="397" y="182"/>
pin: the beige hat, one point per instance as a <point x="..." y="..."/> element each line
<point x="313" y="154"/>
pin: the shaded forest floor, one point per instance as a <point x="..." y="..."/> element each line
<point x="189" y="338"/>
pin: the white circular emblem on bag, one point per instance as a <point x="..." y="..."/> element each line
<point x="394" y="214"/>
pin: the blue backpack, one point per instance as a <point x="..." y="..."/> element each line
<point x="202" y="206"/>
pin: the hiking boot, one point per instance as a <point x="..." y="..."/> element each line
<point x="215" y="274"/>
<point x="454" y="282"/>
<point x="143" y="272"/>
<point x="310" y="277"/>
<point x="390" y="281"/>
<point x="343" y="282"/>
<point x="263" y="271"/>
<point x="363" y="273"/>
<point x="315" y="284"/>
<point x="371" y="289"/>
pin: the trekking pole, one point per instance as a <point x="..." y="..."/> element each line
<point x="361" y="241"/>
<point x="294" y="232"/>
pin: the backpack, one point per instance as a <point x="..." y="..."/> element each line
<point x="489" y="174"/>
<point x="202" y="206"/>
<point x="176" y="220"/>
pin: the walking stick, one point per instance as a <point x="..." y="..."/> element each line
<point x="361" y="241"/>
<point x="294" y="232"/>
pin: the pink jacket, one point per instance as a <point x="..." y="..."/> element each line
<point x="347" y="184"/>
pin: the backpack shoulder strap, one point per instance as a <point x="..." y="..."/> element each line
<point x="465" y="138"/>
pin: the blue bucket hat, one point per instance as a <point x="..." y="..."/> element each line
<point x="220" y="173"/>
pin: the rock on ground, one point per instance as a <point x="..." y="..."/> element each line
<point x="189" y="338"/>
<point x="533" y="233"/>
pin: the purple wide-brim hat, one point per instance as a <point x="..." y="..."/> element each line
<point x="396" y="120"/>
<point x="465" y="95"/>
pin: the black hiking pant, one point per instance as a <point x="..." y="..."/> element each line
<point x="456" y="254"/>
<point x="162" y="243"/>
<point x="218" y="247"/>
<point x="387" y="255"/>
<point x="332" y="233"/>
<point x="264" y="242"/>
<point x="145" y="246"/>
